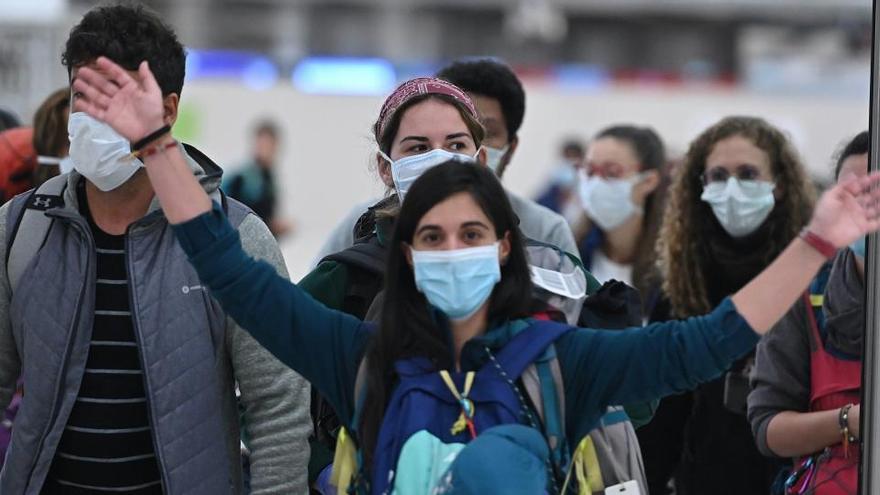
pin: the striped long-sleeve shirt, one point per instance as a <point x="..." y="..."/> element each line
<point x="107" y="446"/>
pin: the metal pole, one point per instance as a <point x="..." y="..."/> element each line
<point x="869" y="469"/>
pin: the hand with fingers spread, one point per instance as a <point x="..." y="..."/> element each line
<point x="130" y="104"/>
<point x="848" y="211"/>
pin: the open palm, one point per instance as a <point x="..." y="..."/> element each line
<point x="130" y="104"/>
<point x="848" y="211"/>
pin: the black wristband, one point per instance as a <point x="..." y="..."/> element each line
<point x="141" y="144"/>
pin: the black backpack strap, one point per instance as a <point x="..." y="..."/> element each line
<point x="368" y="255"/>
<point x="31" y="227"/>
<point x="365" y="262"/>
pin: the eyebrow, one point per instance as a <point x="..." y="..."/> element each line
<point x="458" y="135"/>
<point x="420" y="139"/>
<point x="427" y="227"/>
<point x="472" y="223"/>
<point x="423" y="139"/>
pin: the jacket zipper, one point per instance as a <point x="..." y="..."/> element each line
<point x="62" y="372"/>
<point x="144" y="375"/>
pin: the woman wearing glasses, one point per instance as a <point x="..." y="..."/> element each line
<point x="738" y="199"/>
<point x="619" y="188"/>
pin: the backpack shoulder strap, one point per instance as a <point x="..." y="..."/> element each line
<point x="530" y="343"/>
<point x="31" y="226"/>
<point x="365" y="264"/>
<point x="235" y="211"/>
<point x="814" y="301"/>
<point x="368" y="255"/>
<point x="543" y="383"/>
<point x="532" y="352"/>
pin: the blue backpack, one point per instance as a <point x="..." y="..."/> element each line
<point x="455" y="407"/>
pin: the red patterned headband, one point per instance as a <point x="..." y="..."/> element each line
<point x="421" y="86"/>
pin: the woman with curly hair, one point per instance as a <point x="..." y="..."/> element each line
<point x="738" y="199"/>
<point x="457" y="284"/>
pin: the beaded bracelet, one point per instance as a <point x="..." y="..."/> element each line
<point x="152" y="150"/>
<point x="843" y="422"/>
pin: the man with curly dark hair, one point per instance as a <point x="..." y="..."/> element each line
<point x="131" y="367"/>
<point x="501" y="103"/>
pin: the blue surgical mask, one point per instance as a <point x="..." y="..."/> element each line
<point x="457" y="282"/>
<point x="565" y="175"/>
<point x="409" y="168"/>
<point x="494" y="156"/>
<point x="858" y="247"/>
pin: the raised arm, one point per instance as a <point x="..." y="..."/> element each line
<point x="676" y="356"/>
<point x="133" y="107"/>
<point x="323" y="345"/>
<point x="843" y="214"/>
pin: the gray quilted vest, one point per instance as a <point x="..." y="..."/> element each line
<point x="179" y="327"/>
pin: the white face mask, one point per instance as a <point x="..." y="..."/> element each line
<point x="409" y="168"/>
<point x="99" y="153"/>
<point x="65" y="164"/>
<point x="740" y="206"/>
<point x="608" y="202"/>
<point x="494" y="156"/>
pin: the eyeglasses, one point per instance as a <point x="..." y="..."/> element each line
<point x="607" y="170"/>
<point x="721" y="174"/>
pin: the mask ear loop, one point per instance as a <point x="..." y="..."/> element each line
<point x="48" y="160"/>
<point x="476" y="156"/>
<point x="386" y="157"/>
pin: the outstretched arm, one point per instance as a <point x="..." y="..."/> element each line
<point x="843" y="214"/>
<point x="323" y="345"/>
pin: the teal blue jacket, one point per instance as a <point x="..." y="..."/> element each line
<point x="599" y="368"/>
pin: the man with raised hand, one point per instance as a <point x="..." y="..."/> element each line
<point x="129" y="366"/>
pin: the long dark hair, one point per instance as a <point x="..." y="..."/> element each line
<point x="408" y="328"/>
<point x="649" y="149"/>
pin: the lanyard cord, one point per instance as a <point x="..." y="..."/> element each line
<point x="528" y="414"/>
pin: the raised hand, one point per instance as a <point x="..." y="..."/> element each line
<point x="848" y="211"/>
<point x="131" y="105"/>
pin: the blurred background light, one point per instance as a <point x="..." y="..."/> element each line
<point x="254" y="70"/>
<point x="344" y="76"/>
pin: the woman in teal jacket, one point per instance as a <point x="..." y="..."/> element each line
<point x="458" y="284"/>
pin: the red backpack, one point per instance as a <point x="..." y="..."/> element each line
<point x="18" y="160"/>
<point x="835" y="382"/>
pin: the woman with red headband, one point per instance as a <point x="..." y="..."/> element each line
<point x="423" y="123"/>
<point x="441" y="397"/>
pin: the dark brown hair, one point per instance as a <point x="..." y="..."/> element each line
<point x="50" y="132"/>
<point x="386" y="139"/>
